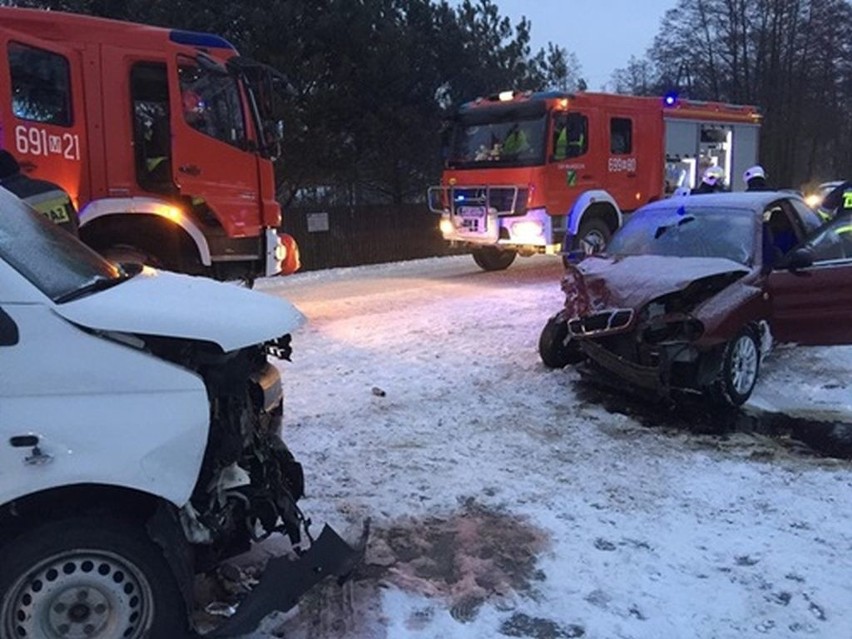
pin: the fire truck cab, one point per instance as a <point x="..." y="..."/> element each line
<point x="164" y="139"/>
<point x="554" y="172"/>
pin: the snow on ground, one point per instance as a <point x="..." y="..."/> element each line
<point x="506" y="500"/>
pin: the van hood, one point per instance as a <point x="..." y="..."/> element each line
<point x="173" y="305"/>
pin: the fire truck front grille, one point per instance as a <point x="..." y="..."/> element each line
<point x="503" y="200"/>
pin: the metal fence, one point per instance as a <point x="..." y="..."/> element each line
<point x="329" y="237"/>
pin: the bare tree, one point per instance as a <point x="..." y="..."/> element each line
<point x="786" y="56"/>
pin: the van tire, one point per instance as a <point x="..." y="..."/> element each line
<point x="101" y="576"/>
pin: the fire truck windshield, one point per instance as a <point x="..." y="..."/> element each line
<point x="268" y="90"/>
<point x="211" y="102"/>
<point x="518" y="141"/>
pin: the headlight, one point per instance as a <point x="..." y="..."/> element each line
<point x="813" y="200"/>
<point x="527" y="231"/>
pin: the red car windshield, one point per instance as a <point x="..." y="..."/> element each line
<point x="691" y="231"/>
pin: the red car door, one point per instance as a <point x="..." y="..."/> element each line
<point x="812" y="304"/>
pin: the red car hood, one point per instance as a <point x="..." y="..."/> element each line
<point x="630" y="282"/>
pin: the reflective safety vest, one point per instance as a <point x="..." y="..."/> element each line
<point x="45" y="197"/>
<point x="840" y="199"/>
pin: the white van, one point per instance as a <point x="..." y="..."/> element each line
<point x="139" y="441"/>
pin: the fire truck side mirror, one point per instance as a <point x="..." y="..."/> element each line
<point x="210" y="65"/>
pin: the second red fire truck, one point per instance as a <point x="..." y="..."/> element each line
<point x="549" y="172"/>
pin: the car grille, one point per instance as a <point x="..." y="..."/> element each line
<point x="601" y="322"/>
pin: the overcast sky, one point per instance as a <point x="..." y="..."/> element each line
<point x="603" y="33"/>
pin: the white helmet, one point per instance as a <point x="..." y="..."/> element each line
<point x="754" y="172"/>
<point x="713" y="175"/>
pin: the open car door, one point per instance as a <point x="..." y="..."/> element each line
<point x="811" y="289"/>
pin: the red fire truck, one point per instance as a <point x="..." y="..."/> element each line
<point x="553" y="172"/>
<point x="164" y="139"/>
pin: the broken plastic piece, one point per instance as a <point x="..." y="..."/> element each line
<point x="285" y="580"/>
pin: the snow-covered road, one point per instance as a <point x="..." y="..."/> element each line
<point x="506" y="501"/>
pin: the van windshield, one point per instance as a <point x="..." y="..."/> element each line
<point x="55" y="262"/>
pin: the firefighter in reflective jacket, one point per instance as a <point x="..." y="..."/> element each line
<point x="45" y="197"/>
<point x="837" y="202"/>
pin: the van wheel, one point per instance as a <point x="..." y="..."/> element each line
<point x="490" y="258"/>
<point x="740" y="368"/>
<point x="90" y="577"/>
<point x="555" y="348"/>
<point x="593" y="236"/>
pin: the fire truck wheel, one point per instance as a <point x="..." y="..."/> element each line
<point x="92" y="576"/>
<point x="490" y="258"/>
<point x="593" y="237"/>
<point x="126" y="254"/>
<point x="555" y="348"/>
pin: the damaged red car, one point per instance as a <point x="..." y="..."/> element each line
<point x="692" y="292"/>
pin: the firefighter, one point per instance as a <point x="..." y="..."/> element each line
<point x="516" y="142"/>
<point x="194" y="109"/>
<point x="47" y="198"/>
<point x="570" y="142"/>
<point x="713" y="181"/>
<point x="755" y="179"/>
<point x="838" y="202"/>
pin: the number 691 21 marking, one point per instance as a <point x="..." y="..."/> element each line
<point x="35" y="141"/>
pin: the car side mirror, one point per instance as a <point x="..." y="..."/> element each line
<point x="9" y="335"/>
<point x="797" y="259"/>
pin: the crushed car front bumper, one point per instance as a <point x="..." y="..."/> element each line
<point x="680" y="366"/>
<point x="648" y="377"/>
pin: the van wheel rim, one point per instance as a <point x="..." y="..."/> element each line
<point x="81" y="594"/>
<point x="744" y="360"/>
